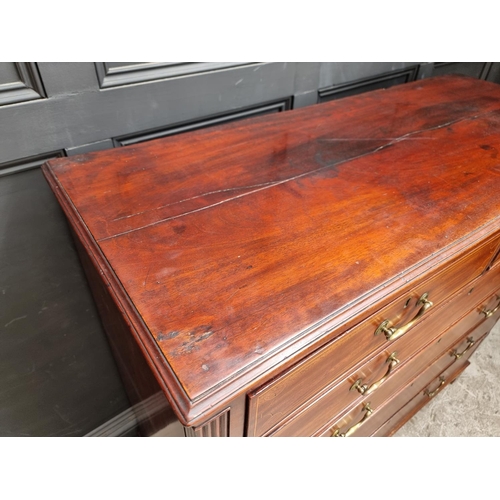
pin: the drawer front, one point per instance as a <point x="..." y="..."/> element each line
<point x="459" y="351"/>
<point x="495" y="261"/>
<point x="327" y="407"/>
<point x="277" y="400"/>
<point x="364" y="421"/>
<point x="392" y="425"/>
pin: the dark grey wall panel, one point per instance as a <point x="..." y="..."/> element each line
<point x="306" y="83"/>
<point x="494" y="73"/>
<point x="8" y="73"/>
<point x="19" y="82"/>
<point x="57" y="375"/>
<point x="89" y="148"/>
<point x="383" y="81"/>
<point x="425" y="70"/>
<point x="180" y="128"/>
<point x="66" y="78"/>
<point x="87" y="117"/>
<point x="13" y="167"/>
<point x="474" y="69"/>
<point x="114" y="74"/>
<point x="334" y="73"/>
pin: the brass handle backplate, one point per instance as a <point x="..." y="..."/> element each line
<point x="491" y="312"/>
<point x="368" y="411"/>
<point x="365" y="389"/>
<point x="458" y="355"/>
<point x="392" y="333"/>
<point x="442" y="380"/>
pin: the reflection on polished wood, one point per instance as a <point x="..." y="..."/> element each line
<point x="243" y="270"/>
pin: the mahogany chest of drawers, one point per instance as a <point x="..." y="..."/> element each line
<point x="318" y="272"/>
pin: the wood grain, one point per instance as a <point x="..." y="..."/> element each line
<point x="243" y="247"/>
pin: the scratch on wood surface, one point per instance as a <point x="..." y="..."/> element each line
<point x="15" y="319"/>
<point x="147" y="275"/>
<point x="197" y="335"/>
<point x="167" y="336"/>
<point x="208" y="193"/>
<point x="254" y="188"/>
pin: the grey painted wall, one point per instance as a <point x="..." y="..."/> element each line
<point x="57" y="376"/>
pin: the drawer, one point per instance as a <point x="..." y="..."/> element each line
<point x="416" y="404"/>
<point x="340" y="399"/>
<point x="279" y="399"/>
<point x="367" y="418"/>
<point x="406" y="413"/>
<point x="495" y="261"/>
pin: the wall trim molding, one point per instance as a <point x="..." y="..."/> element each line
<point x="410" y="74"/>
<point x="219" y="119"/>
<point x="27" y="88"/>
<point x="28" y="163"/>
<point x="116" y="76"/>
<point x="482" y="74"/>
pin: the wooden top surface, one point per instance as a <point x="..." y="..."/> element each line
<point x="235" y="241"/>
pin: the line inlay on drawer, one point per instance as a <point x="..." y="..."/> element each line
<point x="278" y="399"/>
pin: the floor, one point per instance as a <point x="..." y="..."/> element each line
<point x="468" y="407"/>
